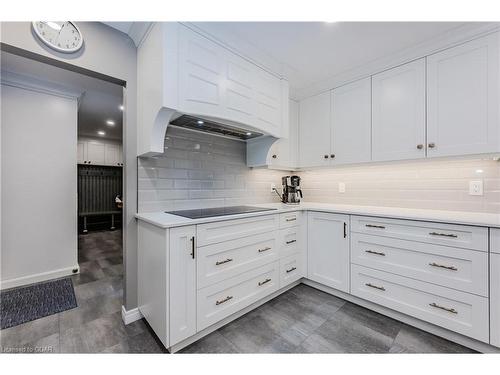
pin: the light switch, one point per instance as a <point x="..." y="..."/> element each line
<point x="341" y="187"/>
<point x="476" y="187"/>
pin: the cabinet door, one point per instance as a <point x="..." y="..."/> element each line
<point x="268" y="105"/>
<point x="495" y="299"/>
<point x="81" y="154"/>
<point x="398" y="113"/>
<point x="352" y="123"/>
<point x="96" y="153"/>
<point x="314" y="130"/>
<point x="462" y="99"/>
<point x="283" y="153"/>
<point x="328" y="249"/>
<point x="201" y="75"/>
<point x="182" y="283"/>
<point x="111" y="156"/>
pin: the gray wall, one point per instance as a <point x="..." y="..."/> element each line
<point x="109" y="52"/>
<point x="202" y="170"/>
<point x="39" y="216"/>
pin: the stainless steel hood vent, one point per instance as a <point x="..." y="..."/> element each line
<point x="213" y="127"/>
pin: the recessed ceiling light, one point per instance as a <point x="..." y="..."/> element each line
<point x="200" y="122"/>
<point x="100" y="132"/>
<point x="121" y="107"/>
<point x="110" y="122"/>
<point x="249" y="133"/>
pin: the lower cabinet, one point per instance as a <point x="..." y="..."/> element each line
<point x="495" y="299"/>
<point x="328" y="250"/>
<point x="182" y="292"/>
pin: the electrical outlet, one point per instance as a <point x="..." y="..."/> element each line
<point x="341" y="187"/>
<point x="476" y="187"/>
<point x="273" y="186"/>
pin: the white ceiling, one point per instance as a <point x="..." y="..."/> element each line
<point x="99" y="100"/>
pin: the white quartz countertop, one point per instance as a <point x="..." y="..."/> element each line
<point x="164" y="220"/>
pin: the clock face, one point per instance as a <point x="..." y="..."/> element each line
<point x="61" y="36"/>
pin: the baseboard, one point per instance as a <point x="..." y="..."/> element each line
<point x="39" y="277"/>
<point x="130" y="316"/>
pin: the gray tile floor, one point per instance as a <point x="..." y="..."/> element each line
<point x="302" y="320"/>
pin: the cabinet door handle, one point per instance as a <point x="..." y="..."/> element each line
<point x="453" y="311"/>
<point x="326" y="156"/>
<point x="275" y="156"/>
<point x="291" y="269"/>
<point x="192" y="247"/>
<point x="345" y="229"/>
<point x="375" y="286"/>
<point x="374" y="226"/>
<point x="228" y="298"/>
<point x="332" y="156"/>
<point x="443" y="234"/>
<point x="375" y="252"/>
<point x="291" y="241"/>
<point x="264" y="249"/>
<point x="223" y="261"/>
<point x="264" y="282"/>
<point x="452" y="268"/>
<point x="291" y="219"/>
<point x="420" y="146"/>
<point x="431" y="145"/>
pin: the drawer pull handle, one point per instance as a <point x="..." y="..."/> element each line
<point x="264" y="282"/>
<point x="374" y="226"/>
<point x="453" y="311"/>
<point x="443" y="234"/>
<point x="217" y="303"/>
<point x="291" y="219"/>
<point x="291" y="241"/>
<point x="452" y="268"/>
<point x="375" y="252"/>
<point x="291" y="269"/>
<point x="264" y="249"/>
<point x="375" y="286"/>
<point x="223" y="261"/>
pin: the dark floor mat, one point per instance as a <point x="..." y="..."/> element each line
<point x="24" y="304"/>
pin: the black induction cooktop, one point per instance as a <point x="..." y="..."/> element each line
<point x="217" y="211"/>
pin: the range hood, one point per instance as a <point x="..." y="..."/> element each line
<point x="213" y="127"/>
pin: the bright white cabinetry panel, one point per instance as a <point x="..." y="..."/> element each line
<point x="457" y="311"/>
<point x="328" y="250"/>
<point x="283" y="154"/>
<point x="495" y="299"/>
<point x="81" y="152"/>
<point x="351" y="123"/>
<point x="314" y="131"/>
<point x="463" y="100"/>
<point x="182" y="294"/>
<point x="96" y="153"/>
<point x="99" y="152"/>
<point x="398" y="113"/>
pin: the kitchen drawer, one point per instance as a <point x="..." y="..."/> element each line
<point x="495" y="240"/>
<point x="291" y="269"/>
<point x="461" y="269"/>
<point x="290" y="219"/>
<point x="227" y="230"/>
<point x="220" y="300"/>
<point x="460" y="312"/>
<point x="289" y="240"/>
<point x="224" y="260"/>
<point x="467" y="237"/>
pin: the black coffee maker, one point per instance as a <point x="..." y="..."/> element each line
<point x="291" y="190"/>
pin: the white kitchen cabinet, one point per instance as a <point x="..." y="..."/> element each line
<point x="328" y="250"/>
<point x="112" y="154"/>
<point x="99" y="152"/>
<point x="182" y="271"/>
<point x="495" y="299"/>
<point x="314" y="131"/>
<point x="351" y="123"/>
<point x="283" y="154"/>
<point x="81" y="152"/>
<point x="462" y="99"/>
<point x="398" y="113"/>
<point x="96" y="153"/>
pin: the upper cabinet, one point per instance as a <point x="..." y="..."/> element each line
<point x="398" y="112"/>
<point x="181" y="71"/>
<point x="99" y="152"/>
<point x="284" y="152"/>
<point x="351" y="123"/>
<point x="463" y="100"/>
<point x="314" y="131"/>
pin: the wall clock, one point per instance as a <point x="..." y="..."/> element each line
<point x="61" y="36"/>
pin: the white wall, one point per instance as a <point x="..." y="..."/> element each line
<point x="113" y="53"/>
<point x="39" y="206"/>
